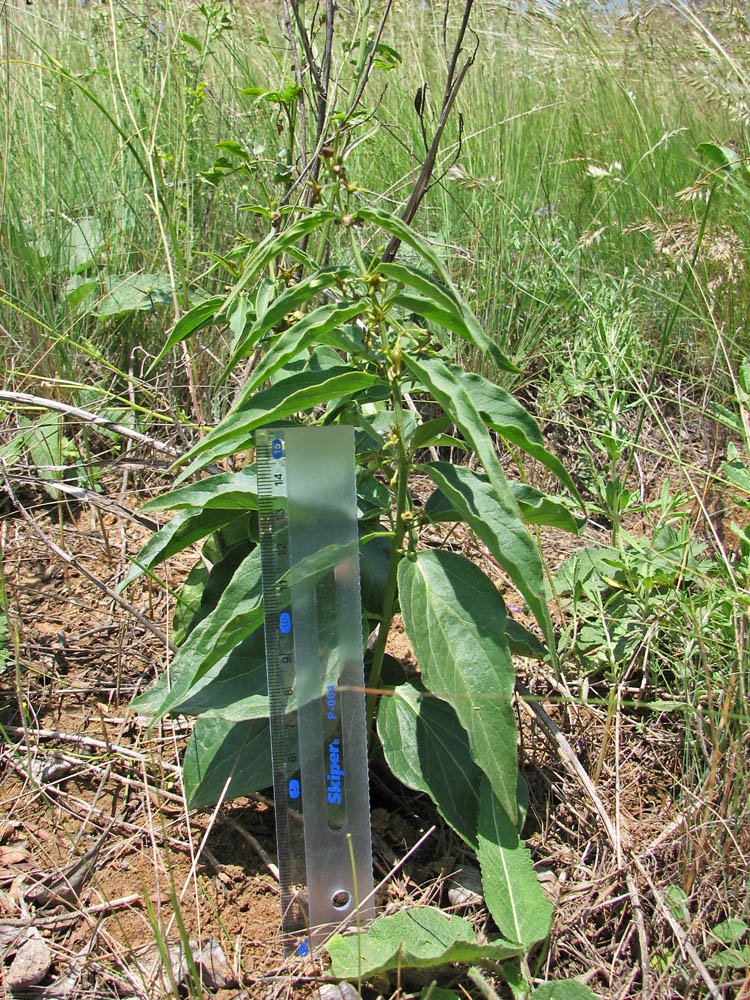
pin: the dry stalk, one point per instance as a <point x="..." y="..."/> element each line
<point x="573" y="764"/>
<point x="73" y="563"/>
<point x="452" y="87"/>
<point x="250" y="839"/>
<point x="43" y="403"/>
<point x="89" y="741"/>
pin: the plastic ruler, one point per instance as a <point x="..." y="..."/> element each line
<point x="313" y="632"/>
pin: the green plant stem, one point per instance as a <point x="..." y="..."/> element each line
<point x="389" y="599"/>
<point x="483" y="984"/>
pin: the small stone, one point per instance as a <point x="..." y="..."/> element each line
<point x="465" y="888"/>
<point x="218" y="974"/>
<point x="31" y="963"/>
<point x="336" y="991"/>
<point x="149" y="966"/>
<point x="55" y="770"/>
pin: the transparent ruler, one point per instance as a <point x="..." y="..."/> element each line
<point x="313" y="631"/>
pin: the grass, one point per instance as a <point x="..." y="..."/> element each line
<point x="573" y="208"/>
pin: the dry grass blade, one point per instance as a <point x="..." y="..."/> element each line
<point x="571" y="761"/>
<point x="71" y="561"/>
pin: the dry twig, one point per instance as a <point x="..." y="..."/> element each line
<point x="74" y="563"/>
<point x="572" y="762"/>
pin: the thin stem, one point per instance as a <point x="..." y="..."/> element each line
<point x="483" y="984"/>
<point x="389" y="598"/>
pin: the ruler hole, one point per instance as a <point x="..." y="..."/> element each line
<point x="341" y="899"/>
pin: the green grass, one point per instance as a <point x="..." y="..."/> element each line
<point x="577" y="137"/>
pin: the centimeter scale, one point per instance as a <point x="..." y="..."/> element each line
<point x="313" y="631"/>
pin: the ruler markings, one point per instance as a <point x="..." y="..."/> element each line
<point x="312" y="614"/>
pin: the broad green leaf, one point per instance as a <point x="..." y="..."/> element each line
<point x="46" y="444"/>
<point x="730" y="931"/>
<point x="226" y="560"/>
<point x="78" y="289"/>
<point x="374" y="560"/>
<point x="535" y="507"/>
<point x="191" y="40"/>
<point x="238" y="613"/>
<point x="285" y="304"/>
<point x="349" y="338"/>
<point x="433" y="992"/>
<point x="299" y="336"/>
<point x="235" y="688"/>
<point x="677" y="900"/>
<point x="270" y="248"/>
<point x="82" y="245"/>
<point x="183" y="530"/>
<point x="189" y="601"/>
<point x="233" y="147"/>
<point x="428" y="299"/>
<point x="504" y="414"/>
<point x="515" y="980"/>
<point x="563" y="989"/>
<point x="521" y="642"/>
<point x="193" y="320"/>
<point x="133" y="292"/>
<point x="587" y="571"/>
<point x="428" y="750"/>
<point x="721" y="156"/>
<point x="503" y="534"/>
<point x="291" y="395"/>
<point x="382" y="423"/>
<point x="511" y="889"/>
<point x="455" y="620"/>
<point x="396" y="227"/>
<point x="199" y="596"/>
<point x="372" y="495"/>
<point x="242" y="532"/>
<point x="426" y="433"/>
<point x="731" y="958"/>
<point x="285" y="96"/>
<point x="10" y="451"/>
<point x="219" y="750"/>
<point x="538" y="508"/>
<point x="241" y="309"/>
<point x="453" y="397"/>
<point x="411" y="939"/>
<point x="324" y="358"/>
<point x="226" y="491"/>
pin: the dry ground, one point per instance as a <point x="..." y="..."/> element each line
<point x="609" y="823"/>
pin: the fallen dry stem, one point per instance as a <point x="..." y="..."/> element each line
<point x="572" y="762"/>
<point x="250" y="839"/>
<point x="88" y="741"/>
<point x="74" y="563"/>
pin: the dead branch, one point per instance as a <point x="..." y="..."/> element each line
<point x="84" y="495"/>
<point x="88" y="741"/>
<point x="452" y="86"/>
<point x="41" y="402"/>
<point x="75" y="564"/>
<point x="572" y="762"/>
